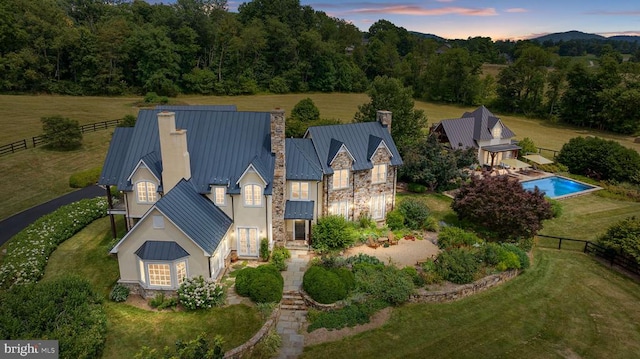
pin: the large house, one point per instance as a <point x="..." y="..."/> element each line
<point x="200" y="183"/>
<point x="481" y="130"/>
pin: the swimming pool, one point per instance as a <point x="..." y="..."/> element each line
<point x="558" y="187"/>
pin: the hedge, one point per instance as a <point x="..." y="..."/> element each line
<point x="325" y="286"/>
<point x="263" y="284"/>
<point x="29" y="250"/>
<point x="85" y="178"/>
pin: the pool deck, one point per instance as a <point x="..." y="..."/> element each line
<point x="530" y="175"/>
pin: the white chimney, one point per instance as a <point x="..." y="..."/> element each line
<point x="176" y="164"/>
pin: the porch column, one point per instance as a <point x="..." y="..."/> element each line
<point x="113" y="220"/>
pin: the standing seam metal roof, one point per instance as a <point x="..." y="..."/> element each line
<point x="220" y="144"/>
<point x="298" y="210"/>
<point x="161" y="251"/>
<point x="473" y="126"/>
<point x="115" y="156"/>
<point x="302" y="161"/>
<point x="195" y="215"/>
<point x="355" y="137"/>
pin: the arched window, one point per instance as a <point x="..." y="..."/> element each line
<point x="252" y="195"/>
<point x="146" y="192"/>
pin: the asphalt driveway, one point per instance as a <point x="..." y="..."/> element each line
<point x="14" y="224"/>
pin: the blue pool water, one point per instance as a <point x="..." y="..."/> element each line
<point x="555" y="187"/>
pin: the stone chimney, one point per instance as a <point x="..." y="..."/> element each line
<point x="279" y="175"/>
<point x="176" y="164"/>
<point x="384" y="117"/>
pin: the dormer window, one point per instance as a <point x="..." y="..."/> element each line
<point x="379" y="173"/>
<point x="146" y="192"/>
<point x="219" y="196"/>
<point x="252" y="195"/>
<point x="340" y="179"/>
<point x="497" y="131"/>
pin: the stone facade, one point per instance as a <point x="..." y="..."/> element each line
<point x="384" y="117"/>
<point x="361" y="189"/>
<point x="279" y="176"/>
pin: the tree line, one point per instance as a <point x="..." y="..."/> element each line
<point x="113" y="47"/>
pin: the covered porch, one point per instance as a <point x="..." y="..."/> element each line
<point x="298" y="217"/>
<point x="492" y="156"/>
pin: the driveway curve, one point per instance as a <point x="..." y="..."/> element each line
<point x="14" y="224"/>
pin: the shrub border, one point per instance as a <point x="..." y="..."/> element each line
<point x="464" y="290"/>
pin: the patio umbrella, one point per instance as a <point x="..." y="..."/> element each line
<point x="515" y="164"/>
<point x="538" y="159"/>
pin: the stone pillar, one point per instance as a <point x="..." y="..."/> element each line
<point x="279" y="176"/>
<point x="384" y="117"/>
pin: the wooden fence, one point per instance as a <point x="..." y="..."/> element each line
<point x="591" y="248"/>
<point x="38" y="140"/>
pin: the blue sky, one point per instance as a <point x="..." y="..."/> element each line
<point x="498" y="19"/>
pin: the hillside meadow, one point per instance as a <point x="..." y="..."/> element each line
<point x="37" y="175"/>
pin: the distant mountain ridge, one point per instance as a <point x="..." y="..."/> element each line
<point x="427" y="36"/>
<point x="579" y="35"/>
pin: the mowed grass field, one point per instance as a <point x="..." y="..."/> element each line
<point x="34" y="176"/>
<point x="565" y="306"/>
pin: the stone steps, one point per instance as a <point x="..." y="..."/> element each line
<point x="292" y="301"/>
<point x="296" y="246"/>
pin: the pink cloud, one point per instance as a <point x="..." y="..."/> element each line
<point x="615" y="33"/>
<point x="419" y="11"/>
<point x="517" y="10"/>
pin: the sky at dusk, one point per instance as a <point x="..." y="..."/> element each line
<point x="498" y="19"/>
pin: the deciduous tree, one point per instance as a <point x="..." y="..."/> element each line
<point x="501" y="209"/>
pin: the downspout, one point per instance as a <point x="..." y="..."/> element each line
<point x="126" y="204"/>
<point x="353" y="195"/>
<point x="113" y="220"/>
<point x="266" y="218"/>
<point x="395" y="188"/>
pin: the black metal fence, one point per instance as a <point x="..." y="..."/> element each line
<point x="38" y="140"/>
<point x="591" y="248"/>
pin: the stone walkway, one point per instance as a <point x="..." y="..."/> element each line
<point x="293" y="315"/>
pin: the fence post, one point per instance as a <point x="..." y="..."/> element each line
<point x="34" y="141"/>
<point x="560" y="244"/>
<point x="586" y="247"/>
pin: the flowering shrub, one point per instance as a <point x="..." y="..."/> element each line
<point x="198" y="293"/>
<point x="29" y="250"/>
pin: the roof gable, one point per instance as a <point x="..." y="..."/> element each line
<point x="193" y="214"/>
<point x="335" y="148"/>
<point x="356" y="138"/>
<point x="150" y="161"/>
<point x="375" y="143"/>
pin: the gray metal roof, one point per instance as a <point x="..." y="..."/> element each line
<point x="302" y="160"/>
<point x="197" y="107"/>
<point x="374" y="142"/>
<point x="355" y="137"/>
<point x="195" y="215"/>
<point x="473" y="126"/>
<point x="115" y="156"/>
<point x="501" y="148"/>
<point x="221" y="145"/>
<point x="298" y="210"/>
<point x="154" y="163"/>
<point x="161" y="251"/>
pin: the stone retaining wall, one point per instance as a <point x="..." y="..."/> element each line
<point x="464" y="290"/>
<point x="248" y="346"/>
<point x="319" y="306"/>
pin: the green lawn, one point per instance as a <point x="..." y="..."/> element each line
<point x="587" y="217"/>
<point x="566" y="306"/>
<point x="130" y="328"/>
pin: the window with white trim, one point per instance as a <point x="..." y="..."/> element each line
<point x="181" y="271"/>
<point x="379" y="173"/>
<point x="299" y="190"/>
<point x="252" y="195"/>
<point x="340" y="179"/>
<point x="219" y="194"/>
<point x="340" y="208"/>
<point x="378" y="207"/>
<point x="159" y="275"/>
<point x="146" y="192"/>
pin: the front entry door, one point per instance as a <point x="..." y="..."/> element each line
<point x="248" y="242"/>
<point x="299" y="230"/>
